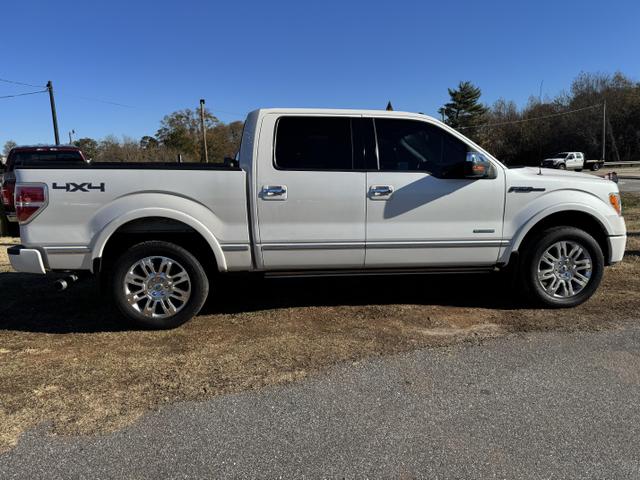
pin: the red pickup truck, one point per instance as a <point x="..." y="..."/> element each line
<point x="33" y="156"/>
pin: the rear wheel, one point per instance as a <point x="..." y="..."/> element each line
<point x="562" y="267"/>
<point x="595" y="167"/>
<point x="159" y="285"/>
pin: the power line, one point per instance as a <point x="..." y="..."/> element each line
<point x="531" y="119"/>
<point x="20" y="83"/>
<point x="14" y="82"/>
<point x="99" y="100"/>
<point x="23" y="94"/>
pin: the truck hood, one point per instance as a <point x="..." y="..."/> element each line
<point x="552" y="179"/>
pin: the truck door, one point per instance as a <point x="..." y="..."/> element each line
<point x="310" y="194"/>
<point x="421" y="211"/>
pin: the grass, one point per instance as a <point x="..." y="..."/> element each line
<point x="66" y="359"/>
<point x="630" y="201"/>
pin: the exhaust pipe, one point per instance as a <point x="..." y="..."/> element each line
<point x="64" y="283"/>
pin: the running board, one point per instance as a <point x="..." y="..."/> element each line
<point x="376" y="272"/>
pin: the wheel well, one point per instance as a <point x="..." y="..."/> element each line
<point x="572" y="218"/>
<point x="156" y="228"/>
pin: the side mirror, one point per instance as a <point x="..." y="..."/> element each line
<point x="476" y="165"/>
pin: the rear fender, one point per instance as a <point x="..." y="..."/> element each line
<point x="114" y="215"/>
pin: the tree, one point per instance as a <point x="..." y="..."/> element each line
<point x="572" y="121"/>
<point x="88" y="146"/>
<point x="223" y="140"/>
<point x="9" y="144"/>
<point x="148" y="142"/>
<point x="464" y="110"/>
<point x="181" y="131"/>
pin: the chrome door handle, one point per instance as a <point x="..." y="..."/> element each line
<point x="378" y="191"/>
<point x="274" y="192"/>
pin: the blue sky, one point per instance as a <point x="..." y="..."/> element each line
<point x="160" y="56"/>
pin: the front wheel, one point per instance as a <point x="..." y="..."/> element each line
<point x="562" y="267"/>
<point x="562" y="166"/>
<point x="159" y="285"/>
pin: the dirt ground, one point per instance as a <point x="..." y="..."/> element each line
<point x="68" y="361"/>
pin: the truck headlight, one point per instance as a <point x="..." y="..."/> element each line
<point x="616" y="203"/>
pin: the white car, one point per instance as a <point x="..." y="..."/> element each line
<point x="565" y="161"/>
<point x="317" y="192"/>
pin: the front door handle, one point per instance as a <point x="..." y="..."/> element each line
<point x="380" y="191"/>
<point x="274" y="192"/>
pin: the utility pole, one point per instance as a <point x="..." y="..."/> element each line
<point x="53" y="112"/>
<point x="71" y="132"/>
<point x="604" y="128"/>
<point x="204" y="131"/>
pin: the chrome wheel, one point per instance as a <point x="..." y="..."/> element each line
<point x="157" y="287"/>
<point x="565" y="269"/>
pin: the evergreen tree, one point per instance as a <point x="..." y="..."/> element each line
<point x="464" y="110"/>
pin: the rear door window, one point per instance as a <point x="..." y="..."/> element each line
<point x="314" y="143"/>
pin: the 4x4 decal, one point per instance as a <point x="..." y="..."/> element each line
<point x="78" y="187"/>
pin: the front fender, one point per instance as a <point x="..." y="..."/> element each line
<point x="519" y="223"/>
<point x="112" y="216"/>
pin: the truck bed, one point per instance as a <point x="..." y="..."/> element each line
<point x="88" y="203"/>
<point x="129" y="166"/>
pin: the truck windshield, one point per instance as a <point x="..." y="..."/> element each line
<point x="560" y="155"/>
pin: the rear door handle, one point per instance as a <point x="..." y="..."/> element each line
<point x="380" y="192"/>
<point x="274" y="192"/>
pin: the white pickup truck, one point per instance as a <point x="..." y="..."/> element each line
<point x="317" y="192"/>
<point x="565" y="161"/>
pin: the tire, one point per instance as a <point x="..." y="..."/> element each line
<point x="170" y="284"/>
<point x="595" y="167"/>
<point x="539" y="276"/>
<point x="578" y="169"/>
<point x="562" y="166"/>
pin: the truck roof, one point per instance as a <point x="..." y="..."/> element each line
<point x="342" y="111"/>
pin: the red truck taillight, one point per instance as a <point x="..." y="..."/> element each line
<point x="7" y="194"/>
<point x="30" y="200"/>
